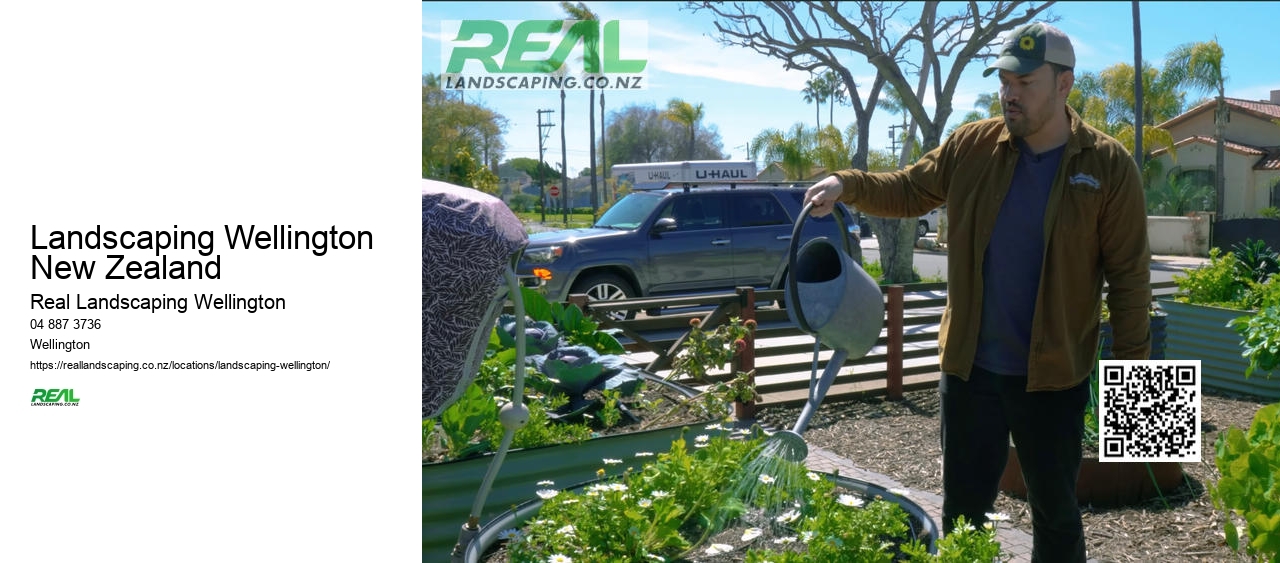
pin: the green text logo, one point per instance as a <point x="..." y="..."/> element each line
<point x="63" y="397"/>
<point x="544" y="54"/>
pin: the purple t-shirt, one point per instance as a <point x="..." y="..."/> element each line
<point x="1011" y="265"/>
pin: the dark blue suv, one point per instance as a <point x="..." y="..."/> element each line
<point x="678" y="241"/>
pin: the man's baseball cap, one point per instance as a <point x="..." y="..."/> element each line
<point x="1032" y="45"/>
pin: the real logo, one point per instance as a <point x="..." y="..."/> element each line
<point x="537" y="54"/>
<point x="54" y="397"/>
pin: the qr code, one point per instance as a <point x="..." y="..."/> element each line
<point x="1149" y="410"/>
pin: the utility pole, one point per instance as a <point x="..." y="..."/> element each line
<point x="893" y="137"/>
<point x="542" y="182"/>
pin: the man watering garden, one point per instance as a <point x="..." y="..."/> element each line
<point x="1042" y="209"/>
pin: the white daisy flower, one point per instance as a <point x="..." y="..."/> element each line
<point x="512" y="534"/>
<point x="617" y="487"/>
<point x="715" y="426"/>
<point x="751" y="534"/>
<point x="654" y="557"/>
<point x="546" y="494"/>
<point x="850" y="500"/>
<point x="644" y="454"/>
<point x="558" y="558"/>
<point x="997" y="516"/>
<point x="645" y="503"/>
<point x="788" y="517"/>
<point x="718" y="548"/>
<point x="767" y="479"/>
<point x="701" y="438"/>
<point x="546" y="483"/>
<point x="900" y="492"/>
<point x="611" y="461"/>
<point x="785" y="540"/>
<point x="812" y="476"/>
<point x="806" y="537"/>
<point x="567" y="530"/>
<point x="660" y="494"/>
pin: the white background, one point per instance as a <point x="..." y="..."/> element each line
<point x="145" y="115"/>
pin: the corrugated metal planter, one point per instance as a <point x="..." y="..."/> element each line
<point x="519" y="514"/>
<point x="1159" y="333"/>
<point x="1199" y="332"/>
<point x="449" y="488"/>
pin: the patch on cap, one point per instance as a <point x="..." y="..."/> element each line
<point x="1032" y="45"/>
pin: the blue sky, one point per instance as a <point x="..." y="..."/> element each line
<point x="744" y="92"/>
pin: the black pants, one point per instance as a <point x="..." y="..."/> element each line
<point x="977" y="418"/>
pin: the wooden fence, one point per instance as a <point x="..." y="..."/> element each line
<point x="904" y="357"/>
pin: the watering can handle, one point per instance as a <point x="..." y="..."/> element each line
<point x="793" y="295"/>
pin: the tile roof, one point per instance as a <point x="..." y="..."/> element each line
<point x="1271" y="161"/>
<point x="1259" y="109"/>
<point x="1233" y="147"/>
<point x="1270" y="155"/>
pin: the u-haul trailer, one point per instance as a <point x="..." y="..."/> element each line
<point x="656" y="175"/>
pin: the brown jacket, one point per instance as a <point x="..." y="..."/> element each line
<point x="1095" y="227"/>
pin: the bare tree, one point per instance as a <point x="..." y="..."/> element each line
<point x="822" y="35"/>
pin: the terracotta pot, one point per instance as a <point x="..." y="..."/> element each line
<point x="1104" y="484"/>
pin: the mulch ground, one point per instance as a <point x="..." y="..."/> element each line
<point x="901" y="439"/>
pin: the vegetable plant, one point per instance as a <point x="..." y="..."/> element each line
<point x="1250" y="484"/>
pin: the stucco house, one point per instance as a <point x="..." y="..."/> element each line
<point x="1252" y="151"/>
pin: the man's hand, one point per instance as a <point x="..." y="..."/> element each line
<point x="824" y="195"/>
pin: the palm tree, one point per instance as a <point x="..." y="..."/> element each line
<point x="833" y="151"/>
<point x="686" y="114"/>
<point x="814" y="92"/>
<point x="1180" y="195"/>
<point x="793" y="150"/>
<point x="590" y="44"/>
<point x="836" y="93"/>
<point x="1199" y="66"/>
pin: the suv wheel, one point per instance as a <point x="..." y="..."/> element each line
<point x="922" y="229"/>
<point x="606" y="287"/>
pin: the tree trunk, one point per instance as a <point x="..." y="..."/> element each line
<point x="591" y="126"/>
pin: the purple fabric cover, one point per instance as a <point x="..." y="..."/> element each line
<point x="468" y="240"/>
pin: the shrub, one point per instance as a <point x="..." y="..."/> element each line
<point x="1247" y="489"/>
<point x="1215" y="283"/>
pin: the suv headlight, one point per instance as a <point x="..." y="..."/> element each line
<point x="544" y="255"/>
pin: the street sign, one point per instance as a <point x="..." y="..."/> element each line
<point x="554" y="191"/>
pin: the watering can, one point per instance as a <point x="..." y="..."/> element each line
<point x="831" y="297"/>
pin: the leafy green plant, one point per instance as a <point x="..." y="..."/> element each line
<point x="707" y="350"/>
<point x="673" y="506"/>
<point x="1255" y="260"/>
<point x="1269" y="212"/>
<point x="576" y="386"/>
<point x="1249" y="488"/>
<point x="1260" y="338"/>
<point x="1215" y="283"/>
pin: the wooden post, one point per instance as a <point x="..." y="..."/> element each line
<point x="893" y="353"/>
